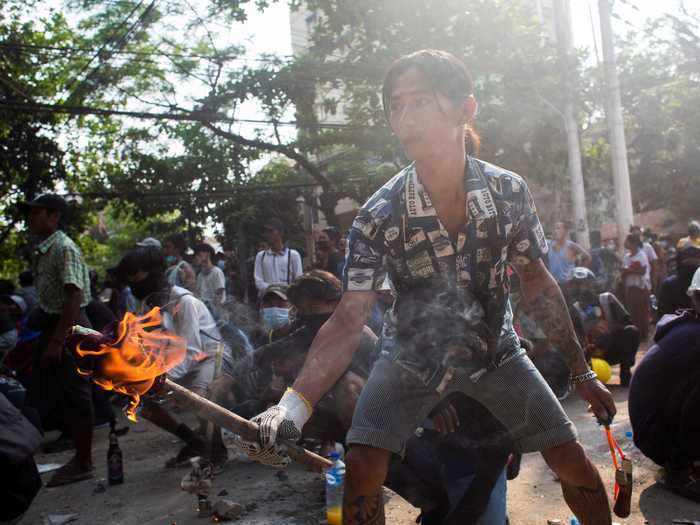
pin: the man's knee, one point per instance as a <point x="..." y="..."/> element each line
<point x="366" y="468"/>
<point x="568" y="457"/>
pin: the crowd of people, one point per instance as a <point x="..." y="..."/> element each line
<point x="411" y="320"/>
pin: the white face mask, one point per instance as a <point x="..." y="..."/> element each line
<point x="273" y="318"/>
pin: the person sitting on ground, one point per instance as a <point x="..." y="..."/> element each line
<point x="672" y="295"/>
<point x="211" y="282"/>
<point x="179" y="272"/>
<point x="186" y="316"/>
<point x="602" y="323"/>
<point x="664" y="398"/>
<point x="564" y="253"/>
<point x="693" y="238"/>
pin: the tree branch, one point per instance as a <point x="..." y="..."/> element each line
<point x="288" y="152"/>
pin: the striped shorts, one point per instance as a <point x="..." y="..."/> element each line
<point x="395" y="401"/>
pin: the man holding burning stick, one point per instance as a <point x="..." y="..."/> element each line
<point x="444" y="229"/>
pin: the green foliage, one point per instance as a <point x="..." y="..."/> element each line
<point x="501" y="43"/>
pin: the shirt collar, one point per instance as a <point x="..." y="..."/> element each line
<point x="281" y="252"/>
<point x="479" y="201"/>
<point x="45" y="245"/>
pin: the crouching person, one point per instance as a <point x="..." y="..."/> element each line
<point x="602" y="322"/>
<point x="664" y="398"/>
<point x="188" y="317"/>
<point x="435" y="473"/>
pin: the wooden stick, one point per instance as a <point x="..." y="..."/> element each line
<point x="241" y="426"/>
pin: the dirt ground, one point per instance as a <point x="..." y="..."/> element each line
<point x="151" y="494"/>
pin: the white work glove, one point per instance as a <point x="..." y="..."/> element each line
<point x="284" y="420"/>
<point x="273" y="456"/>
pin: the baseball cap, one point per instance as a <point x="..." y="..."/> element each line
<point x="694" y="283"/>
<point x="280" y="290"/>
<point x="49" y="201"/>
<point x="149" y="242"/>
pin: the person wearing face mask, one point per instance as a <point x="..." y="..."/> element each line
<point x="274" y="315"/>
<point x="246" y="386"/>
<point x="184" y="315"/>
<point x="179" y="272"/>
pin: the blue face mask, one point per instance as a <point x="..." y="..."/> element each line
<point x="221" y="264"/>
<point x="273" y="318"/>
<point x="170" y="260"/>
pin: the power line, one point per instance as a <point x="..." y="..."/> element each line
<point x="105" y="44"/>
<point x="78" y="49"/>
<point x="193" y="116"/>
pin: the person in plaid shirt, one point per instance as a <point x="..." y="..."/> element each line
<point x="443" y="230"/>
<point x="61" y="396"/>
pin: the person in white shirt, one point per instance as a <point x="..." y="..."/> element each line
<point x="179" y="272"/>
<point x="278" y="264"/>
<point x="211" y="282"/>
<point x="636" y="279"/>
<point x="650" y="252"/>
<point x="184" y="315"/>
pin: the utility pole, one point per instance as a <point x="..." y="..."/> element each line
<point x="565" y="44"/>
<point x="613" y="109"/>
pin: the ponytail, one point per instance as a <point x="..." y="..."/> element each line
<point x="472" y="141"/>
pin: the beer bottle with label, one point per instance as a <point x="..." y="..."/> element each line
<point x="115" y="465"/>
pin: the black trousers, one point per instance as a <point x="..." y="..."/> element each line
<point x="621" y="345"/>
<point x="61" y="395"/>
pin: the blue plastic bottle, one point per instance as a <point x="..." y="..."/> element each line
<point x="335" y="478"/>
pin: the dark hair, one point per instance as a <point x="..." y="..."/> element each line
<point x="275" y="224"/>
<point x="333" y="234"/>
<point x="178" y="241"/>
<point x="596" y="238"/>
<point x="7" y="287"/>
<point x="26" y="278"/>
<point x="316" y="285"/>
<point x="447" y="75"/>
<point x="693" y="228"/>
<point x="635" y="240"/>
<point x="146" y="259"/>
<point x="206" y="248"/>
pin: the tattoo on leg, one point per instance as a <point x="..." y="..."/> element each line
<point x="365" y="510"/>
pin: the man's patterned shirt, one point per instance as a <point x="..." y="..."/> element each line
<point x="451" y="305"/>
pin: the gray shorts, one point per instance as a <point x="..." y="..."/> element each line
<point x="395" y="401"/>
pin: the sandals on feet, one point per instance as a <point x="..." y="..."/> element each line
<point x="71" y="472"/>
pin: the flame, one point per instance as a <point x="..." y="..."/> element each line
<point x="136" y="358"/>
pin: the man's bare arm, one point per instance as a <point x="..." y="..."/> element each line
<point x="543" y="299"/>
<point x="331" y="352"/>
